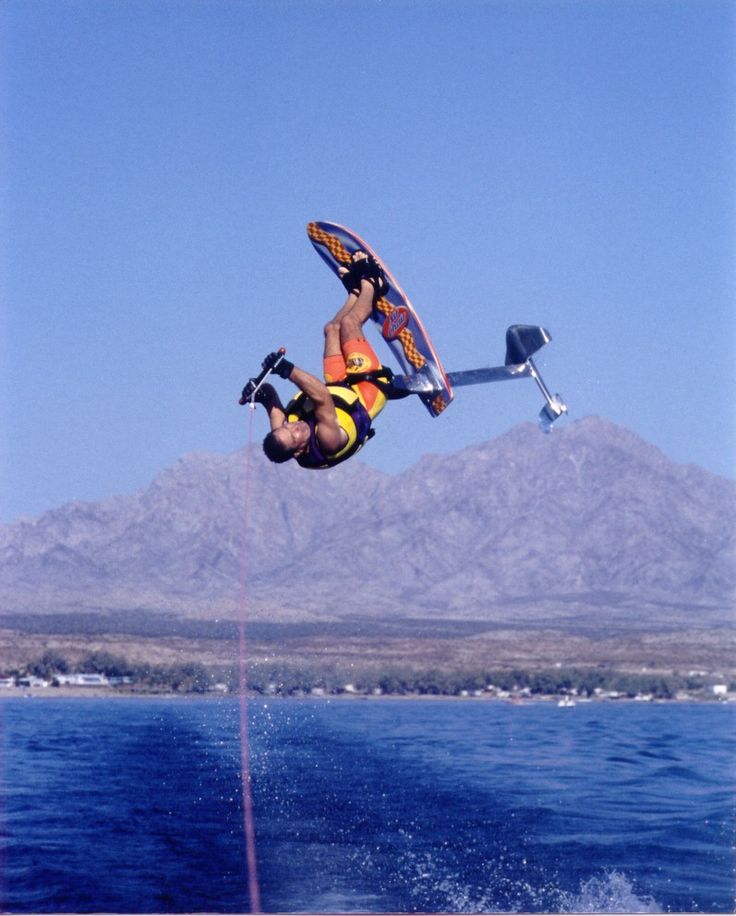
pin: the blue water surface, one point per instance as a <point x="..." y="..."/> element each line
<point x="135" y="805"/>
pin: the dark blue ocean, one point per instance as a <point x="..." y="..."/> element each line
<point x="367" y="806"/>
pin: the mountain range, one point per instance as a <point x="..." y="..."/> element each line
<point x="590" y="526"/>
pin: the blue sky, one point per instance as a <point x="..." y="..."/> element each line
<point x="563" y="163"/>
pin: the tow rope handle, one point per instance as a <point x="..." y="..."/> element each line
<point x="269" y="364"/>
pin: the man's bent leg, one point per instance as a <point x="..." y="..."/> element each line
<point x="353" y="319"/>
<point x="333" y="363"/>
<point x="360" y="357"/>
<point x="345" y="326"/>
<point x="347" y="350"/>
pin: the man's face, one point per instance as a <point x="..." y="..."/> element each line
<point x="293" y="436"/>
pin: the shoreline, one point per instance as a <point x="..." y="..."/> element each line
<point x="101" y="693"/>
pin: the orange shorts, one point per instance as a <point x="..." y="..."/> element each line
<point x="357" y="356"/>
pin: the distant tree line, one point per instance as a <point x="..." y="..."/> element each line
<point x="582" y="682"/>
<point x="294" y="680"/>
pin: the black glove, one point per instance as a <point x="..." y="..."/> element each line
<point x="284" y="368"/>
<point x="263" y="395"/>
<point x="247" y="392"/>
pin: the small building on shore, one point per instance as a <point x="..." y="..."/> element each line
<point x="81" y="680"/>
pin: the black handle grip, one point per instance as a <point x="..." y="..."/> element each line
<point x="269" y="364"/>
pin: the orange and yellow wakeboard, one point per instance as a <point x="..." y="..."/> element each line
<point x="393" y="314"/>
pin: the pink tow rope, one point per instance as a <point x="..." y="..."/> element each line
<point x="248" y="824"/>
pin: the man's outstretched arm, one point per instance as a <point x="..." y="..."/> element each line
<point x="269" y="397"/>
<point x="330" y="435"/>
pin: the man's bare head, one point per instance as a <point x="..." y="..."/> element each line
<point x="287" y="441"/>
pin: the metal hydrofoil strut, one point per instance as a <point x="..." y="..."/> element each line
<point x="522" y="342"/>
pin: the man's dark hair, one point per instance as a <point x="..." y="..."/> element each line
<point x="274" y="450"/>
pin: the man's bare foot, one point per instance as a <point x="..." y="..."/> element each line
<point x="352" y="276"/>
<point x="364" y="269"/>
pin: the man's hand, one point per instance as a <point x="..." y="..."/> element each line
<point x="284" y="367"/>
<point x="266" y="395"/>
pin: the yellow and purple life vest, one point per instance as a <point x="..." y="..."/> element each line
<point x="351" y="416"/>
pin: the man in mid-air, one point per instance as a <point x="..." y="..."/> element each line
<point x="328" y="422"/>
